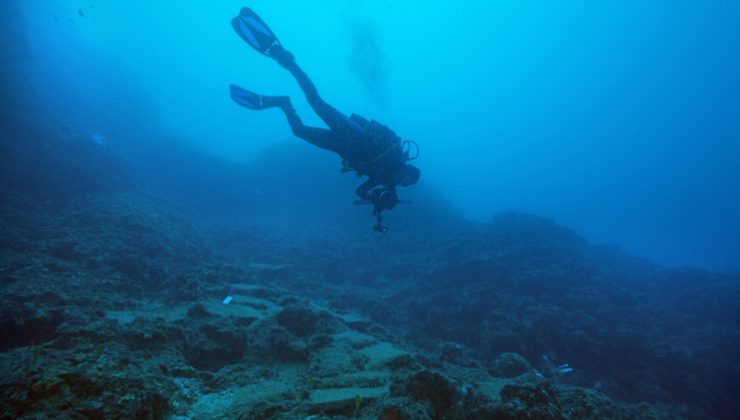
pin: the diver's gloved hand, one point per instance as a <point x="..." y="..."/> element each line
<point x="383" y="199"/>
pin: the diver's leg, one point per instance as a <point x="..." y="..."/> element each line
<point x="333" y="118"/>
<point x="319" y="137"/>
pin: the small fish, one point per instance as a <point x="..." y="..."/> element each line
<point x="79" y="12"/>
<point x="37" y="350"/>
<point x="563" y="369"/>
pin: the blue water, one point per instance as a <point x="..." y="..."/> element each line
<point x="132" y="188"/>
<point x="617" y="119"/>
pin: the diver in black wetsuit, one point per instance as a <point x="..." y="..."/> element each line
<point x="366" y="147"/>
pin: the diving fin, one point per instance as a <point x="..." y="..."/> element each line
<point x="256" y="101"/>
<point x="255" y="32"/>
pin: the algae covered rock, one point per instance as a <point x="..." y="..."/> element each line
<point x="214" y="347"/>
<point x="510" y="365"/>
<point x="429" y="387"/>
<point x="344" y="401"/>
<point x="304" y="321"/>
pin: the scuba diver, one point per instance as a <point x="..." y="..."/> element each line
<point x="366" y="146"/>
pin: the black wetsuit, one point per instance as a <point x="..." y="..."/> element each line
<point x="353" y="138"/>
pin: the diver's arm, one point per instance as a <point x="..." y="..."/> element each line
<point x="382" y="198"/>
<point x="363" y="191"/>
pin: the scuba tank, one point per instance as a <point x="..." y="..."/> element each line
<point x="381" y="148"/>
